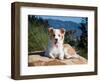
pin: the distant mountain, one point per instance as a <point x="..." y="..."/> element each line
<point x="68" y="25"/>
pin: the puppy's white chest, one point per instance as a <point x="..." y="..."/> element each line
<point x="56" y="50"/>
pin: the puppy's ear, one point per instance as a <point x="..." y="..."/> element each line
<point x="62" y="30"/>
<point x="50" y="30"/>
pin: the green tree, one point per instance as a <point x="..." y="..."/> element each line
<point x="70" y="37"/>
<point x="82" y="43"/>
<point x="83" y="37"/>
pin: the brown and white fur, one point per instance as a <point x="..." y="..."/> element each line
<point x="56" y="47"/>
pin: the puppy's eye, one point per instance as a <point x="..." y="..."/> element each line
<point x="59" y="35"/>
<point x="53" y="35"/>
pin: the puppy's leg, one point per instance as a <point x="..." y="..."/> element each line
<point x="76" y="56"/>
<point x="71" y="56"/>
<point x="51" y="56"/>
<point x="69" y="52"/>
<point x="67" y="56"/>
<point x="61" y="55"/>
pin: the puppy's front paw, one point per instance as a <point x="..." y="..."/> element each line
<point x="68" y="56"/>
<point x="61" y="57"/>
<point x="51" y="56"/>
<point x="71" y="56"/>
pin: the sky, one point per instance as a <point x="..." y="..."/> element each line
<point x="63" y="18"/>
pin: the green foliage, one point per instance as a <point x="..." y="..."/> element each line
<point x="37" y="35"/>
<point x="70" y="37"/>
<point x="82" y="43"/>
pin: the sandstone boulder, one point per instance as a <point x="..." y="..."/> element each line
<point x="36" y="59"/>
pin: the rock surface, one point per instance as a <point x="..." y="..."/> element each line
<point x="38" y="60"/>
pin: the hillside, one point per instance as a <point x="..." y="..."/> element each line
<point x="68" y="25"/>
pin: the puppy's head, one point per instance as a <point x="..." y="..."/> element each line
<point x="56" y="35"/>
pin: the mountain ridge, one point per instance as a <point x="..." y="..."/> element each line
<point x="68" y="25"/>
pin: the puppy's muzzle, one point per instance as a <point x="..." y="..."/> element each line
<point x="56" y="40"/>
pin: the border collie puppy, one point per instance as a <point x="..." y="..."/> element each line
<point x="56" y="47"/>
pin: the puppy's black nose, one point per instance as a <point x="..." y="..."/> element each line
<point x="56" y="40"/>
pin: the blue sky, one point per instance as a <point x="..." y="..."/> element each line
<point x="63" y="18"/>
